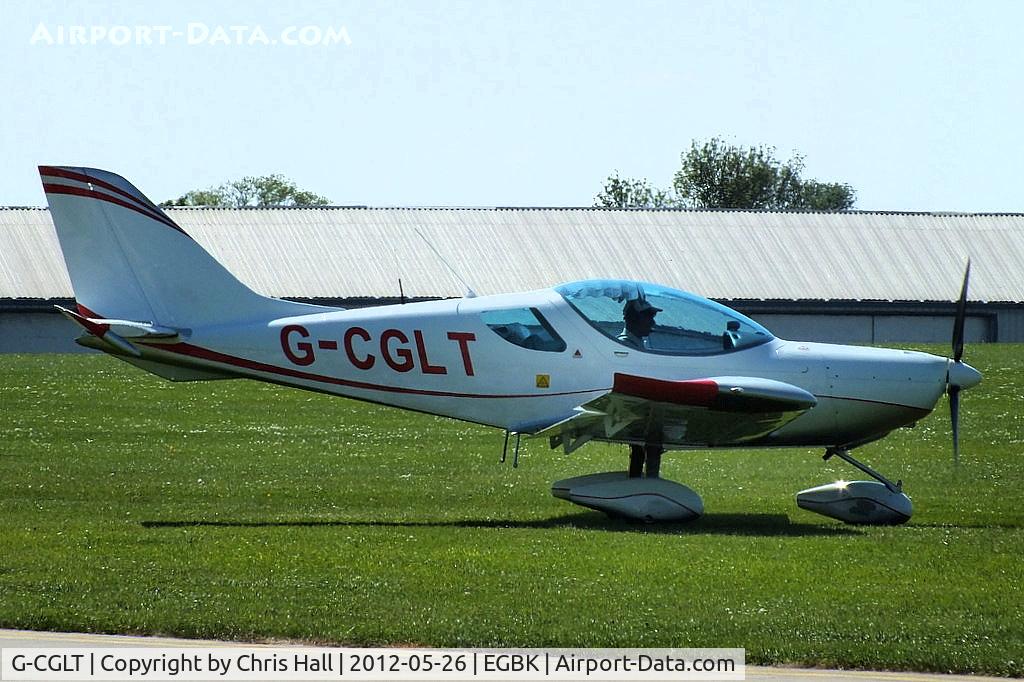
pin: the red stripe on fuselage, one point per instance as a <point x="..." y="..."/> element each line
<point x="215" y="356"/>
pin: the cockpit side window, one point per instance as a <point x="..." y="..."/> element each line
<point x="657" y="319"/>
<point x="525" y="327"/>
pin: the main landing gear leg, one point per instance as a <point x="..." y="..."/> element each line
<point x="654" y="460"/>
<point x="636" y="461"/>
<point x="645" y="455"/>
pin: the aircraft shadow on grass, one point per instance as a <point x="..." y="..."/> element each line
<point x="710" y="524"/>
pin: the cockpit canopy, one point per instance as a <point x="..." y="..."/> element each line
<point x="686" y="324"/>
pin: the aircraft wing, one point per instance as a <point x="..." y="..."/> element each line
<point x="697" y="412"/>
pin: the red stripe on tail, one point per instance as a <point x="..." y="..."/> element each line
<point x="92" y="194"/>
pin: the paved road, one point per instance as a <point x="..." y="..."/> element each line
<point x="25" y="638"/>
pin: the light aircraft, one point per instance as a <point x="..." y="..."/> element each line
<point x="564" y="363"/>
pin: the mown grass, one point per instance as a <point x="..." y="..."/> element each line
<point x="245" y="511"/>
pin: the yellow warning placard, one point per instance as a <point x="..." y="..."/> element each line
<point x="543" y="381"/>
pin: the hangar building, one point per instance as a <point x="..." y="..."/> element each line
<point x="854" y="277"/>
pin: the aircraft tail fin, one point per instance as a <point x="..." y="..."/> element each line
<point x="128" y="260"/>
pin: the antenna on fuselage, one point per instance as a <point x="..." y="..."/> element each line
<point x="469" y="290"/>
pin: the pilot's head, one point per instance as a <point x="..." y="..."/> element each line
<point x="639" y="316"/>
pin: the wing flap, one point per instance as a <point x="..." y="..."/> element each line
<point x="713" y="411"/>
<point x="726" y="394"/>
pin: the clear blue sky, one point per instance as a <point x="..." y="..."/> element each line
<point x="918" y="105"/>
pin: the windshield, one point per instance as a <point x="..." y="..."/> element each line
<point x="657" y="319"/>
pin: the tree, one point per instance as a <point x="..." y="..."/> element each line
<point x="627" y="193"/>
<point x="262" y="191"/>
<point x="718" y="175"/>
<point x="822" y="196"/>
<point x="715" y="174"/>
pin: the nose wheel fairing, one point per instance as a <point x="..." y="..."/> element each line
<point x="857" y="502"/>
<point x="878" y="502"/>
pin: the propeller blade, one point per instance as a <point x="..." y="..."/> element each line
<point x="961" y="317"/>
<point x="954" y="417"/>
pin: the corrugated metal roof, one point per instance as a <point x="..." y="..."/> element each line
<point x="362" y="252"/>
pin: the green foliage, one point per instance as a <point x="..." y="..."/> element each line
<point x="826" y="196"/>
<point x="261" y="191"/>
<point x="215" y="196"/>
<point x="628" y="193"/>
<point x="715" y="174"/>
<point x="240" y="510"/>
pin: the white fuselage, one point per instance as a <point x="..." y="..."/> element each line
<point x="441" y="358"/>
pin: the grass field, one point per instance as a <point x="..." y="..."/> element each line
<point x="245" y="511"/>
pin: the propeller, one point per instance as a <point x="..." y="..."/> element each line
<point x="959" y="375"/>
<point x="954" y="416"/>
<point x="961" y="316"/>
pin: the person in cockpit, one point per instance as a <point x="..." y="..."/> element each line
<point x="638" y="315"/>
<point x="731" y="336"/>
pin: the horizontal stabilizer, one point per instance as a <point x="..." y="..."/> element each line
<point x="120" y="333"/>
<point x="118" y="337"/>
